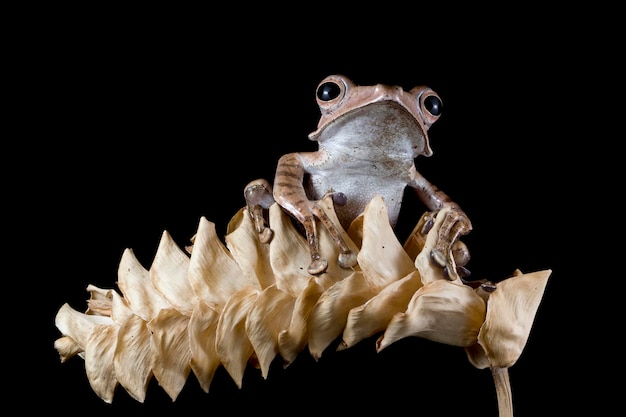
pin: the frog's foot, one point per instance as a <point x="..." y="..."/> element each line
<point x="347" y="260"/>
<point x="266" y="235"/>
<point x="258" y="195"/>
<point x="317" y="266"/>
<point x="449" y="252"/>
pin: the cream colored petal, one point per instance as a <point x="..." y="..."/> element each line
<point x="355" y="230"/>
<point x="232" y="344"/>
<point x="99" y="302"/>
<point x="270" y="314"/>
<point x="440" y="311"/>
<point x="134" y="283"/>
<point x="382" y="258"/>
<point x="99" y="351"/>
<point x="374" y="315"/>
<point x="477" y="356"/>
<point x="77" y="325"/>
<point x="168" y="274"/>
<point x="120" y="310"/>
<point x="328" y="317"/>
<point x="250" y="253"/>
<point x="511" y="311"/>
<point x="294" y="339"/>
<point x="133" y="357"/>
<point x="202" y="338"/>
<point x="213" y="272"/>
<point x="423" y="263"/>
<point x="170" y="347"/>
<point x="67" y="348"/>
<point x="289" y="253"/>
<point x="414" y="243"/>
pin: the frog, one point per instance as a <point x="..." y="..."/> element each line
<point x="368" y="139"/>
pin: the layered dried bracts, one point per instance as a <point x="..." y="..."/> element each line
<point x="245" y="302"/>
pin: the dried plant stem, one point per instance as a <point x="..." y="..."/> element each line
<point x="503" y="391"/>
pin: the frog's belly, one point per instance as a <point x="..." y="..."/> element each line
<point x="359" y="191"/>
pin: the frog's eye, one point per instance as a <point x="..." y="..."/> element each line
<point x="331" y="93"/>
<point x="433" y="105"/>
<point x="328" y="91"/>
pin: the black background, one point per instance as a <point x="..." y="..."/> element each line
<point x="147" y="122"/>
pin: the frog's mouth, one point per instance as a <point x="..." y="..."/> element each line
<point x="383" y="126"/>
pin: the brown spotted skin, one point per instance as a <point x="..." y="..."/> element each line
<point x="368" y="138"/>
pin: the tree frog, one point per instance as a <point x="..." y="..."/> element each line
<point x="368" y="139"/>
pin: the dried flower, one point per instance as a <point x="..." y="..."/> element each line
<point x="243" y="303"/>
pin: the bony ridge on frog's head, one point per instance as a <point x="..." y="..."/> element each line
<point x="340" y="99"/>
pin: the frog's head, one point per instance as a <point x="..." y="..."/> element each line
<point x="377" y="112"/>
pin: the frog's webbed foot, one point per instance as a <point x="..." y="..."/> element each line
<point x="259" y="198"/>
<point x="450" y="253"/>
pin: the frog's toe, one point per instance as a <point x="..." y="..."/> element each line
<point x="463" y="272"/>
<point x="438" y="257"/>
<point x="347" y="260"/>
<point x="317" y="267"/>
<point x="460" y="253"/>
<point x="266" y="235"/>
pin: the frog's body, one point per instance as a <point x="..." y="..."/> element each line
<point x="369" y="137"/>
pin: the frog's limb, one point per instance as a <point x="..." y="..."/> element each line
<point x="453" y="227"/>
<point x="259" y="198"/>
<point x="347" y="258"/>
<point x="447" y="251"/>
<point x="289" y="193"/>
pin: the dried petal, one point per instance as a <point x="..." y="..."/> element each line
<point x="133" y="357"/>
<point x="294" y="339"/>
<point x="67" y="348"/>
<point x="134" y="283"/>
<point x="374" y="315"/>
<point x="328" y="317"/>
<point x="99" y="351"/>
<point x="78" y="326"/>
<point x="440" y="311"/>
<point x="382" y="258"/>
<point x="414" y="243"/>
<point x="213" y="272"/>
<point x="270" y="314"/>
<point x="170" y="347"/>
<point x="232" y="344"/>
<point x="511" y="310"/>
<point x="168" y="274"/>
<point x="202" y="339"/>
<point x="251" y="254"/>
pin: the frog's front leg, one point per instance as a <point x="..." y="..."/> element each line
<point x="258" y="196"/>
<point x="449" y="252"/>
<point x="289" y="193"/>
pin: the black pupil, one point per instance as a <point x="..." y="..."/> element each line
<point x="433" y="105"/>
<point x="328" y="91"/>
